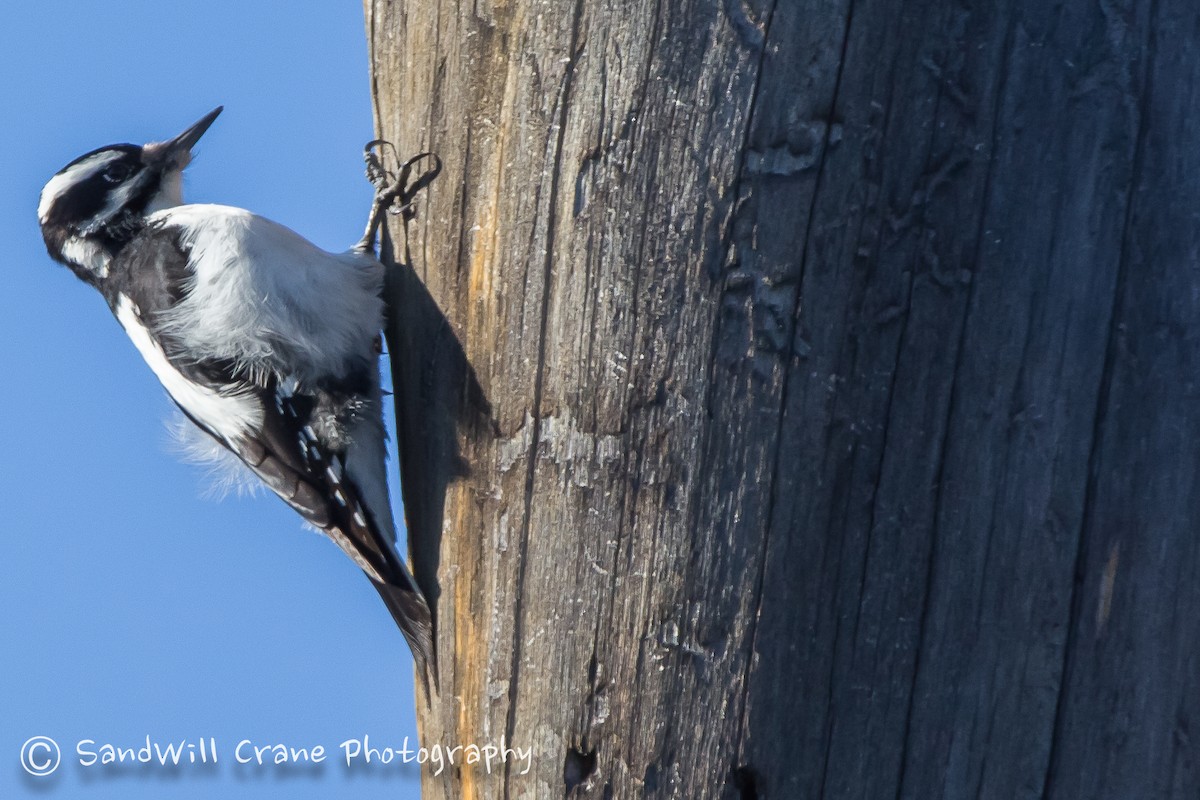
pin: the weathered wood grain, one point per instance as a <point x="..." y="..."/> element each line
<point x="798" y="399"/>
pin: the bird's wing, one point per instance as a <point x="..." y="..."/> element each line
<point x="272" y="426"/>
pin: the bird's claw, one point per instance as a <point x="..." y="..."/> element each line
<point x="394" y="192"/>
<point x="377" y="174"/>
<point x="392" y="186"/>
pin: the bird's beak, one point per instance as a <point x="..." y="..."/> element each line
<point x="179" y="149"/>
<point x="187" y="140"/>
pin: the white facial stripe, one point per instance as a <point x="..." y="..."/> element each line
<point x="89" y="255"/>
<point x="76" y="174"/>
<point x="116" y="201"/>
<point x="229" y="416"/>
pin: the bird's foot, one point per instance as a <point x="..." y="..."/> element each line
<point x="394" y="191"/>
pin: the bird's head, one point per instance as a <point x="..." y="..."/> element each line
<point x="95" y="204"/>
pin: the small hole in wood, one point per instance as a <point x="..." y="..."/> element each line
<point x="650" y="779"/>
<point x="578" y="768"/>
<point x="746" y="783"/>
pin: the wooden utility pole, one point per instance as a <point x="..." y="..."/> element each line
<point x="801" y="399"/>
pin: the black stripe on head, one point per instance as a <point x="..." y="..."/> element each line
<point x="80" y="192"/>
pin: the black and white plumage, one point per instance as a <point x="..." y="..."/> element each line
<point x="264" y="341"/>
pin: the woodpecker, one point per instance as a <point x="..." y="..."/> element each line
<point x="266" y="343"/>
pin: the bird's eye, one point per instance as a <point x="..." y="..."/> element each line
<point x="117" y="173"/>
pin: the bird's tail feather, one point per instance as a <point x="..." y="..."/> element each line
<point x="411" y="613"/>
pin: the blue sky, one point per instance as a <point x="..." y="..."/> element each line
<point x="131" y="605"/>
